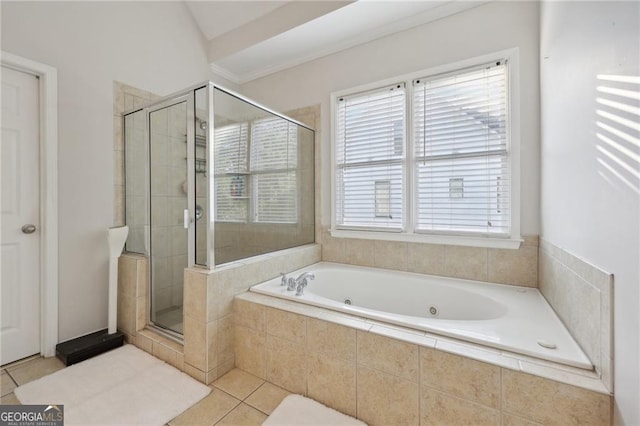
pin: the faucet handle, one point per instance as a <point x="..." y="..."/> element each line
<point x="291" y="284"/>
<point x="283" y="281"/>
<point x="300" y="287"/>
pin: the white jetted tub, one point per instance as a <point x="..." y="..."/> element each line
<point x="517" y="319"/>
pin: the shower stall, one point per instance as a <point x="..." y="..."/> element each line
<point x="212" y="177"/>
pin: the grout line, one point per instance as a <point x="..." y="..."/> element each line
<point x="15" y="382"/>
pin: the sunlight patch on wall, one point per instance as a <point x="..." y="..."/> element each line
<point x="618" y="130"/>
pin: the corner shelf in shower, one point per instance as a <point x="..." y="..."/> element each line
<point x="201" y="141"/>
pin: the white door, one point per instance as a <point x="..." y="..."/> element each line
<point x="20" y="233"/>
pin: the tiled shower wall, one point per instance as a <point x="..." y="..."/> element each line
<point x="504" y="266"/>
<point x="582" y="296"/>
<point x="169" y="172"/>
<point x="124" y="98"/>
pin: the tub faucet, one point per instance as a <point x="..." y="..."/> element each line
<point x="301" y="282"/>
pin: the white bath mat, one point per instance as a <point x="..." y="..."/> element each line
<point x="296" y="410"/>
<point x="125" y="386"/>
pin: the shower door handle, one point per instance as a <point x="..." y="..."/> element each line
<point x="186" y="219"/>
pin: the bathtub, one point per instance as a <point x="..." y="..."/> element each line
<point x="507" y="317"/>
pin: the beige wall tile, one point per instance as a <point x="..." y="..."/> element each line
<point x="250" y="350"/>
<point x="518" y="267"/>
<point x="548" y="402"/>
<point x="248" y="314"/>
<point x="225" y="367"/>
<point x="332" y="248"/>
<point x="221" y="287"/>
<point x="212" y="345"/>
<point x="286" y="325"/>
<point x="225" y="340"/>
<point x="212" y="298"/>
<point x="286" y="365"/>
<point x="437" y="408"/>
<point x="267" y="397"/>
<point x="126" y="319"/>
<point x="390" y="255"/>
<point x="461" y="377"/>
<point x="530" y="241"/>
<point x="141" y="313"/>
<point x="386" y="400"/>
<point x="195" y="343"/>
<point x="195" y="295"/>
<point x="143" y="277"/>
<point x="388" y="355"/>
<point x="333" y="339"/>
<point x="425" y="258"/>
<point x="238" y="383"/>
<point x="164" y="353"/>
<point x="144" y="343"/>
<point x="127" y="276"/>
<point x="332" y="381"/>
<point x="179" y="362"/>
<point x="466" y="262"/>
<point x="358" y="252"/>
<point x="511" y="420"/>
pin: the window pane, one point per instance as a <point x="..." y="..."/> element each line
<point x="356" y="197"/>
<point x="462" y="162"/>
<point x="231" y="195"/>
<point x="274" y="144"/>
<point x="370" y="127"/>
<point x="370" y="149"/>
<point x="464" y="113"/>
<point x="462" y="195"/>
<point x="230" y="149"/>
<point x="276" y="199"/>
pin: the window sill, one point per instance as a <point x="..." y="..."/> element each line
<point x="454" y="240"/>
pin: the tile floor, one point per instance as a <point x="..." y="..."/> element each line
<point x="237" y="398"/>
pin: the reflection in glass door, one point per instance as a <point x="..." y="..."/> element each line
<point x="168" y="202"/>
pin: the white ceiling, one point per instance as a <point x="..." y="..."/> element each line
<point x="218" y="17"/>
<point x="324" y="33"/>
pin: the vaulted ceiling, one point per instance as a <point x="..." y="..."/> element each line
<point x="251" y="39"/>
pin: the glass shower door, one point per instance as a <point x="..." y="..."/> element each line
<point x="168" y="153"/>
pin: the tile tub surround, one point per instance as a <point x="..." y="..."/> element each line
<point x="502" y="266"/>
<point x="207" y="352"/>
<point x="384" y="374"/>
<point x="208" y="306"/>
<point x="582" y="296"/>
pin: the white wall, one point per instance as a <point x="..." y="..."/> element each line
<point x="485" y="29"/>
<point x="153" y="46"/>
<point x="587" y="208"/>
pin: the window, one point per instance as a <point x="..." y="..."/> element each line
<point x="461" y="159"/>
<point x="274" y="160"/>
<point x="451" y="175"/>
<point x="370" y="156"/>
<point x="257" y="161"/>
<point x="231" y="170"/>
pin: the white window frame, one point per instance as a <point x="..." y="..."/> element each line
<point x="513" y="147"/>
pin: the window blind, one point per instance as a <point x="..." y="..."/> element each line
<point x="461" y="152"/>
<point x="231" y="169"/>
<point x="274" y="159"/>
<point x="369" y="159"/>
